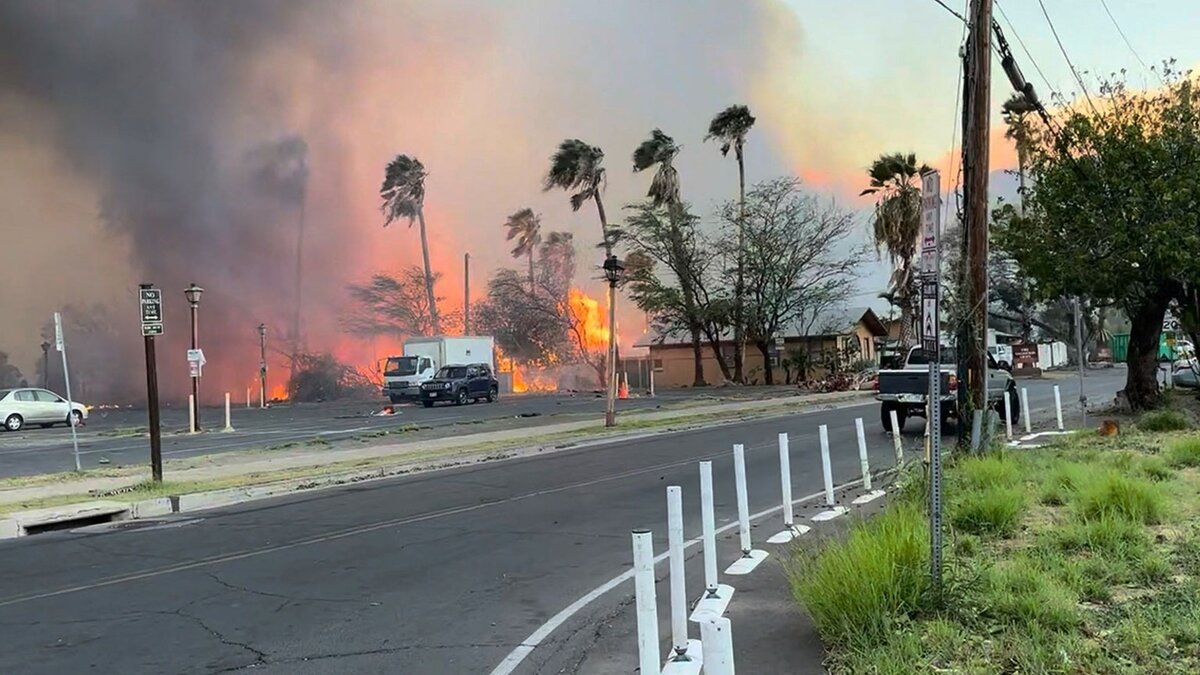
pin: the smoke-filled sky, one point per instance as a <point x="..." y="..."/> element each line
<point x="133" y="135"/>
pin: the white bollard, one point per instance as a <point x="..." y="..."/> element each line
<point x="228" y="416"/>
<point x="651" y="381"/>
<point x="826" y="468"/>
<point x="750" y="557"/>
<point x="1058" y="407"/>
<point x="191" y="414"/>
<point x="716" y="595"/>
<point x="679" y="636"/>
<point x="862" y="453"/>
<point x="896" y="440"/>
<point x="1007" y="415"/>
<point x="1025" y="409"/>
<point x="790" y="528"/>
<point x="716" y="637"/>
<point x="743" y="498"/>
<point x="645" y="601"/>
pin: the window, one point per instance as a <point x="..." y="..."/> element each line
<point x="452" y="373"/>
<point x="47" y="396"/>
<point x="657" y="364"/>
<point x="472" y="372"/>
<point x="426" y="364"/>
<point x="399" y="366"/>
<point x="24" y="395"/>
<point x="484" y="371"/>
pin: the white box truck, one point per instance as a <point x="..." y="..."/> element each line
<point x="403" y="375"/>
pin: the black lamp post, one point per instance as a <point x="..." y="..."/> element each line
<point x="45" y="364"/>
<point x="612" y="272"/>
<point x="262" y="365"/>
<point x="192" y="293"/>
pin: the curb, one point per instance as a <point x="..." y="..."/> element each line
<point x="99" y="511"/>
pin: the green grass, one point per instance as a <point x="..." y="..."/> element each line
<point x="1110" y="493"/>
<point x="1164" y="420"/>
<point x="858" y="588"/>
<point x="994" y="511"/>
<point x="1079" y="558"/>
<point x="1183" y="452"/>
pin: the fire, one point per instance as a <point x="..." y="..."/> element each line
<point x="590" y="320"/>
<point x="279" y="392"/>
<point x="525" y="378"/>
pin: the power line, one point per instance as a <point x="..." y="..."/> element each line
<point x="951" y="10"/>
<point x="1063" y="49"/>
<point x="1122" y="33"/>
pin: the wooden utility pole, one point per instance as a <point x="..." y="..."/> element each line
<point x="975" y="151"/>
<point x="466" y="294"/>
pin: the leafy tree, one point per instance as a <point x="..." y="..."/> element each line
<point x="672" y="253"/>
<point x="526" y="228"/>
<point x="794" y="268"/>
<point x="10" y="375"/>
<point x="896" y="226"/>
<point x="1113" y="212"/>
<point x="730" y="127"/>
<point x="390" y="304"/>
<point x="321" y="377"/>
<point x="660" y="150"/>
<point x="403" y="193"/>
<point x="578" y="168"/>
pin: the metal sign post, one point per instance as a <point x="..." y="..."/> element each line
<point x="931" y="263"/>
<point x="152" y="325"/>
<point x="61" y="345"/>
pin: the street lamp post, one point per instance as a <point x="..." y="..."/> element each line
<point x="192" y="293"/>
<point x="612" y="272"/>
<point x="262" y="365"/>
<point x="45" y="364"/>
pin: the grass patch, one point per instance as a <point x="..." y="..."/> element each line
<point x="1183" y="452"/>
<point x="1164" y="420"/>
<point x="859" y="588"/>
<point x="1083" y="557"/>
<point x="992" y="511"/>
<point x="1110" y="494"/>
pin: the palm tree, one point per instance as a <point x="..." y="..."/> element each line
<point x="526" y="227"/>
<point x="660" y="149"/>
<point x="1017" y="130"/>
<point x="403" y="193"/>
<point x="896" y="226"/>
<point x="730" y="126"/>
<point x="578" y="168"/>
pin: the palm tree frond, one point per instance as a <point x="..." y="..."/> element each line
<point x="403" y="189"/>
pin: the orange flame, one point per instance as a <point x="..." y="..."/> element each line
<point x="589" y="318"/>
<point x="279" y="392"/>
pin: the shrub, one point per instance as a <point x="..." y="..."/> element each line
<point x="1061" y="482"/>
<point x="1183" y="452"/>
<point x="1019" y="593"/>
<point x="1164" y="420"/>
<point x="1156" y="469"/>
<point x="983" y="471"/>
<point x="1109" y="494"/>
<point x="857" y="588"/>
<point x="991" y="511"/>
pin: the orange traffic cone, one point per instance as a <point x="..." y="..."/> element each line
<point x="623" y="390"/>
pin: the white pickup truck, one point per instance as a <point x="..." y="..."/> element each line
<point x="905" y="390"/>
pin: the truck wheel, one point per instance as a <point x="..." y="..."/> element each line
<point x="393" y="398"/>
<point x="1014" y="402"/>
<point x="885" y="416"/>
<point x="427" y="404"/>
<point x="462" y="397"/>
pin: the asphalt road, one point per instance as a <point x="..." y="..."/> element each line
<point x="439" y="573"/>
<point x="118" y="437"/>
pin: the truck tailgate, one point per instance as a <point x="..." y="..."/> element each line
<point x="909" y="381"/>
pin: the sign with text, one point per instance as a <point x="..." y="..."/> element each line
<point x="151" y="305"/>
<point x="931" y="210"/>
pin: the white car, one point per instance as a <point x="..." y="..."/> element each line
<point x="19" y="407"/>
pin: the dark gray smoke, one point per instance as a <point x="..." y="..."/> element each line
<point x="151" y="101"/>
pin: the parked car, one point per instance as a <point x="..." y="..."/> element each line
<point x="904" y="390"/>
<point x="1186" y="373"/>
<point x="459" y="384"/>
<point x="19" y="407"/>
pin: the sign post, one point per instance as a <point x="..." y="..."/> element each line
<point x="61" y="345"/>
<point x="152" y="325"/>
<point x="931" y="263"/>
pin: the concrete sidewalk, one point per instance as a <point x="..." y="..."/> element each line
<point x="411" y="455"/>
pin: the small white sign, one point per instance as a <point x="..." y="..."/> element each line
<point x="196" y="362"/>
<point x="58" y="332"/>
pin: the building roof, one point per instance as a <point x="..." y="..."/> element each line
<point x="832" y="322"/>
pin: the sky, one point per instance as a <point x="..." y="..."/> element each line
<point x="127" y="125"/>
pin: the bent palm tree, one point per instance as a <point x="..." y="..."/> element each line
<point x="403" y="193"/>
<point x="526" y="227"/>
<point x="578" y="168"/>
<point x="896" y="226"/>
<point x="660" y="149"/>
<point x="730" y="126"/>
